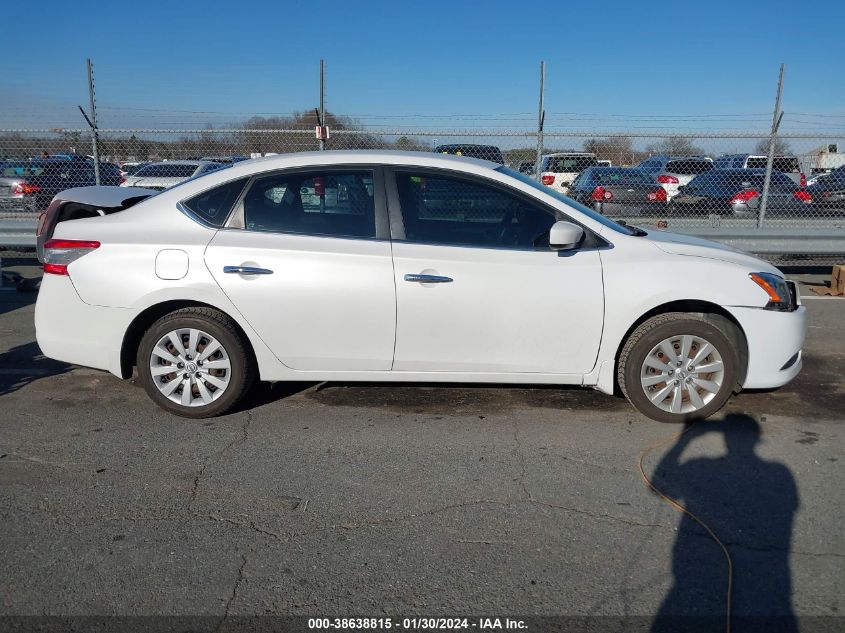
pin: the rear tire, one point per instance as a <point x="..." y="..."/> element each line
<point x="677" y="367"/>
<point x="195" y="363"/>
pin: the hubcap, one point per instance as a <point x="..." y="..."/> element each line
<point x="190" y="367"/>
<point x="683" y="373"/>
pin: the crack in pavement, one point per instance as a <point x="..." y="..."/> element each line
<point x="217" y="457"/>
<point x="520" y="456"/>
<point x="235" y="588"/>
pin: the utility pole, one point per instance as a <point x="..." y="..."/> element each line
<point x="776" y="118"/>
<point x="93" y="121"/>
<point x="322" y="101"/>
<point x="540" y="120"/>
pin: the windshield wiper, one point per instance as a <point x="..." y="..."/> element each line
<point x="635" y="230"/>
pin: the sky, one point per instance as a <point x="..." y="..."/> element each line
<point x="610" y="65"/>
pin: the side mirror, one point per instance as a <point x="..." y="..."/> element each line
<point x="565" y="236"/>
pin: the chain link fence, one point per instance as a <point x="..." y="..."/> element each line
<point x="706" y="183"/>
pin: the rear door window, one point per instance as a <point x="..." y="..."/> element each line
<point x="331" y="203"/>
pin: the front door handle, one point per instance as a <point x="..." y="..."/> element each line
<point x="428" y="279"/>
<point x="247" y="270"/>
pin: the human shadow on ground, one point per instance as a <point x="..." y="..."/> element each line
<point x="750" y="504"/>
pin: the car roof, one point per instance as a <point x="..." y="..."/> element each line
<point x="569" y="154"/>
<point x="363" y="157"/>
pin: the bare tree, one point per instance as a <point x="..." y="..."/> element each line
<point x="781" y="147"/>
<point x="675" y="146"/>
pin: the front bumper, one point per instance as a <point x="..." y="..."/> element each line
<point x="775" y="340"/>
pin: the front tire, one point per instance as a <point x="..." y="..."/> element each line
<point x="195" y="363"/>
<point x="677" y="367"/>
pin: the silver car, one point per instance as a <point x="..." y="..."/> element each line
<point x="14" y="186"/>
<point x="165" y="174"/>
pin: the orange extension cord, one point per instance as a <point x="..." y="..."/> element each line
<point x="680" y="508"/>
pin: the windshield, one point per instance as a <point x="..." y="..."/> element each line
<point x="568" y="201"/>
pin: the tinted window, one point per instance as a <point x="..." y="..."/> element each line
<point x="212" y="167"/>
<point x="612" y="175"/>
<point x="449" y="210"/>
<point x="786" y="164"/>
<point x="214" y="205"/>
<point x="334" y="203"/>
<point x="165" y="170"/>
<point x="569" y="164"/>
<point x="688" y="167"/>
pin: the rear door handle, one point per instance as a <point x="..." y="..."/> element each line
<point x="247" y="270"/>
<point x="428" y="279"/>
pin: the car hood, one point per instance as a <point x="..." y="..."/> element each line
<point x="679" y="244"/>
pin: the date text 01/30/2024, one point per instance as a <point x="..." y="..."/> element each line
<point x="415" y="624"/>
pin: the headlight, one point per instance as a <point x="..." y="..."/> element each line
<point x="776" y="288"/>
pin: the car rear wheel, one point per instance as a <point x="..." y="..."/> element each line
<point x="194" y="363"/>
<point x="677" y="367"/>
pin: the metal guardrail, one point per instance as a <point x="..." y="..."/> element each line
<point x="17" y="233"/>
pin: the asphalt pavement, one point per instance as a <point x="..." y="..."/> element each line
<point x="414" y="500"/>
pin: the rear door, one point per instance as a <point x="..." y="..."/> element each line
<point x="479" y="290"/>
<point x="310" y="268"/>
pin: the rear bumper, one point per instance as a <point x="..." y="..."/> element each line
<point x="71" y="331"/>
<point x="775" y="340"/>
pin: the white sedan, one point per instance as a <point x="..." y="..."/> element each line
<point x="404" y="266"/>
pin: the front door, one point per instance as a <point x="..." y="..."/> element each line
<point x="478" y="289"/>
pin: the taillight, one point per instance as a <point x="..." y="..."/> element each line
<point x="24" y="188"/>
<point x="547" y="180"/>
<point x="122" y="179"/>
<point x="803" y="196"/>
<point x="59" y="254"/>
<point x="658" y="195"/>
<point x="666" y="179"/>
<point x="744" y="196"/>
<point x="803" y="180"/>
<point x="600" y="194"/>
<point x="319" y="187"/>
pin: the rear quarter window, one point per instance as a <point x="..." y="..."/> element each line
<point x="213" y="206"/>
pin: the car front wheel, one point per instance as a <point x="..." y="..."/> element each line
<point x="194" y="363"/>
<point x="677" y="367"/>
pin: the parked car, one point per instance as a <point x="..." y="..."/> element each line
<point x="469" y="150"/>
<point x="129" y="168"/>
<point x="165" y="174"/>
<point x="526" y="167"/>
<point x="558" y="170"/>
<point x="673" y="172"/>
<point x="373" y="287"/>
<point x="45" y="178"/>
<point x="737" y="192"/>
<point x="785" y="164"/>
<point x="616" y="191"/>
<point x="828" y="191"/>
<point x="14" y="185"/>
